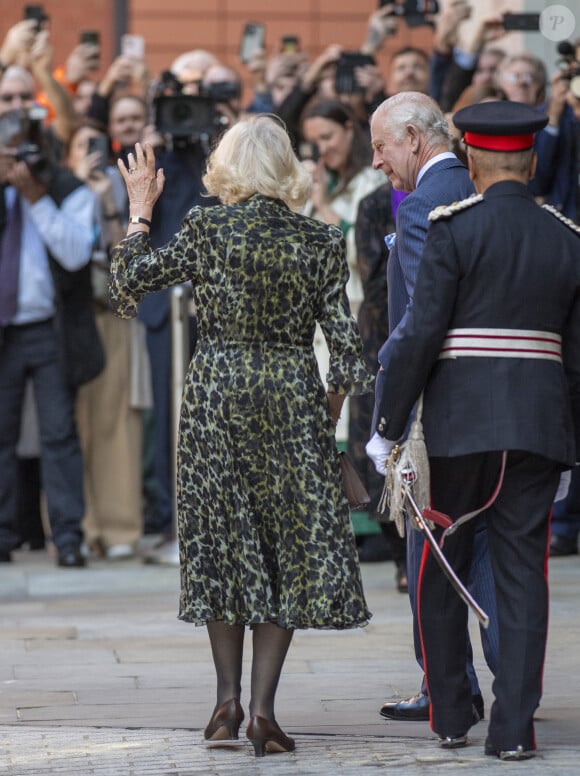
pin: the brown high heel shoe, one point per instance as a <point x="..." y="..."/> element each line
<point x="225" y="722"/>
<point x="267" y="736"/>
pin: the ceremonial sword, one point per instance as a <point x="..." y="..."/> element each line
<point x="456" y="583"/>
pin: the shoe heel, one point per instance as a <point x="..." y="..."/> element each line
<point x="266" y="736"/>
<point x="259" y="745"/>
<point x="233" y="728"/>
<point x="225" y="722"/>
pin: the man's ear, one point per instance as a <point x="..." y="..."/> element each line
<point x="533" y="165"/>
<point x="413" y="137"/>
<point x="471" y="167"/>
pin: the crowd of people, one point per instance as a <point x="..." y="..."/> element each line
<point x="320" y="184"/>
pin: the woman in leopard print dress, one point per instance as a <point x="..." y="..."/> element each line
<point x="264" y="528"/>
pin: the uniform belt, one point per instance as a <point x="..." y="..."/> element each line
<point x="502" y="343"/>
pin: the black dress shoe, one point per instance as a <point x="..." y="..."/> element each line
<point x="562" y="545"/>
<point x="416" y="709"/>
<point x="70" y="557"/>
<point x="453" y="742"/>
<point x="519" y="753"/>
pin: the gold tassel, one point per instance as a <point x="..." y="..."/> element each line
<point x="407" y="463"/>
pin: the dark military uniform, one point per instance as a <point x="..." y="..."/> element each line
<point x="493" y="339"/>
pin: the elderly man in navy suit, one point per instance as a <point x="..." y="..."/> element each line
<point x="411" y="143"/>
<point x="492" y="342"/>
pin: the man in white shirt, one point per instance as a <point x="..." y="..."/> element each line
<point x="47" y="332"/>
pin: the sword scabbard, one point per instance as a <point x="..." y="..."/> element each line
<point x="454" y="580"/>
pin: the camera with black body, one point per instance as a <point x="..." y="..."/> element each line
<point x="186" y="117"/>
<point x="190" y="117"/>
<point x="23" y="129"/>
<point x="569" y="65"/>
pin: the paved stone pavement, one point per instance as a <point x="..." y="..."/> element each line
<point x="97" y="676"/>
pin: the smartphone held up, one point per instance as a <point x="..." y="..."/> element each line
<point x="38" y="14"/>
<point x="416" y="13"/>
<point x="522" y="22"/>
<point x="133" y="46"/>
<point x="99" y="144"/>
<point x="252" y="41"/>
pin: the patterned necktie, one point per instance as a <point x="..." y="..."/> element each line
<point x="10" y="263"/>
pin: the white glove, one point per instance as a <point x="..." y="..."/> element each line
<point x="563" y="485"/>
<point x="378" y="450"/>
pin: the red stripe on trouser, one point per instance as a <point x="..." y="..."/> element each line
<point x="419" y="586"/>
<point x="546" y="557"/>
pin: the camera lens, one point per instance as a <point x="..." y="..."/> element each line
<point x="182" y="112"/>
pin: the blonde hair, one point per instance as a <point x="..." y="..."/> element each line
<point x="255" y="156"/>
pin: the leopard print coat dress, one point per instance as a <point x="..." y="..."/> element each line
<point x="264" y="527"/>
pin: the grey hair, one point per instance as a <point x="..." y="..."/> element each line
<point x="16" y="72"/>
<point x="418" y="110"/>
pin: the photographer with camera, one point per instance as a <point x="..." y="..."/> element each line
<point x="523" y="78"/>
<point x="223" y="86"/>
<point x="27" y="44"/>
<point x="47" y="327"/>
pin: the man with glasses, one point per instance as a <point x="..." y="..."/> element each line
<point x="524" y="79"/>
<point x="17" y="99"/>
<point x="47" y="328"/>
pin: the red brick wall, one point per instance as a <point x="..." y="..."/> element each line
<point x="174" y="26"/>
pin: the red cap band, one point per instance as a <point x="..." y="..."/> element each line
<point x="499" y="142"/>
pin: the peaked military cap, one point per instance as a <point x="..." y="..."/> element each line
<point x="500" y="125"/>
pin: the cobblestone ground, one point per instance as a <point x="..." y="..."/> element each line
<point x="121" y="752"/>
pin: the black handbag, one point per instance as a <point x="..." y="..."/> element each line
<point x="354" y="490"/>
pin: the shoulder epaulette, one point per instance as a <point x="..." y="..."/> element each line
<point x="561" y="217"/>
<point x="446" y="211"/>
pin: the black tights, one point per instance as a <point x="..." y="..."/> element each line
<point x="270" y="646"/>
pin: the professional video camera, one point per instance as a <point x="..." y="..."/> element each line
<point x="189" y="117"/>
<point x="23" y="129"/>
<point x="569" y="64"/>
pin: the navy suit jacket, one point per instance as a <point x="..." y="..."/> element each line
<point x="445" y="182"/>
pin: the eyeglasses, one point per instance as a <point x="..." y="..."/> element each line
<point x="525" y="78"/>
<point x="23" y="96"/>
